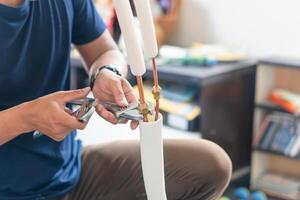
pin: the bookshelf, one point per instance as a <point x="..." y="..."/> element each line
<point x="276" y="72"/>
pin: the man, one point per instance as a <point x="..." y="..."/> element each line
<point x="35" y="43"/>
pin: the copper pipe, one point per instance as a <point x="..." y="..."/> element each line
<point x="156" y="86"/>
<point x="141" y="94"/>
<point x="156" y="110"/>
<point x="155" y="73"/>
<point x="139" y="80"/>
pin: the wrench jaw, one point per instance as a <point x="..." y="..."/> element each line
<point x="86" y="110"/>
<point x="131" y="112"/>
<point x="85" y="117"/>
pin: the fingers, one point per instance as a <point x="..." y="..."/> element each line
<point x="134" y="125"/>
<point x="118" y="94"/>
<point x="65" y="124"/>
<point x="67" y="96"/>
<point x="71" y="121"/>
<point x="108" y="116"/>
<point x="128" y="90"/>
<point x="67" y="110"/>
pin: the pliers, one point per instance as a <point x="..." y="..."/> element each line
<point x="130" y="112"/>
<point x="87" y="109"/>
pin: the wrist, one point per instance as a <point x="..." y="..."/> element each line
<point x="13" y="123"/>
<point x="98" y="70"/>
<point x="24" y="117"/>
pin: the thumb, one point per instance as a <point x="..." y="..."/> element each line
<point x="71" y="95"/>
<point x="119" y="95"/>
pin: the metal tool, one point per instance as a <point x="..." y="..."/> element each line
<point x="82" y="114"/>
<point x="87" y="109"/>
<point x="130" y="112"/>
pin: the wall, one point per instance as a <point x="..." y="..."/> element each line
<point x="259" y="27"/>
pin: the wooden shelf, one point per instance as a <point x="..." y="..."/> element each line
<point x="270" y="107"/>
<point x="281" y="61"/>
<point x="277" y="154"/>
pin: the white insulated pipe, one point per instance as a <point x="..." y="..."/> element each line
<point x="152" y="157"/>
<point x="151" y="142"/>
<point x="145" y="17"/>
<point x="130" y="35"/>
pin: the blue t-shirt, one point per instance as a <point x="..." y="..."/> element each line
<point x="35" y="43"/>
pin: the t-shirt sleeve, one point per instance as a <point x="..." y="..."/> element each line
<point x="87" y="24"/>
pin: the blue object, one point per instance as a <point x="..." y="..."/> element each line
<point x="35" y="49"/>
<point x="258" y="196"/>
<point x="165" y="5"/>
<point x="242" y="193"/>
<point x="180" y="93"/>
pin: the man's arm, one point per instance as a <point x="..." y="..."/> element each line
<point x="12" y="123"/>
<point x="44" y="114"/>
<point x="108" y="86"/>
<point x="102" y="51"/>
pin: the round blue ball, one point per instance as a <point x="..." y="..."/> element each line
<point x="258" y="196"/>
<point x="242" y="193"/>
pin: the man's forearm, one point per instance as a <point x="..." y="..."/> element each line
<point x="111" y="57"/>
<point x="12" y="123"/>
<point x="102" y="51"/>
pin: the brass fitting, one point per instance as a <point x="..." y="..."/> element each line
<point x="156" y="91"/>
<point x="143" y="108"/>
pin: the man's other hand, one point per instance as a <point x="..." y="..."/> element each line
<point x="114" y="88"/>
<point x="50" y="116"/>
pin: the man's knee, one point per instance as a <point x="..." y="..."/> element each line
<point x="221" y="166"/>
<point x="207" y="165"/>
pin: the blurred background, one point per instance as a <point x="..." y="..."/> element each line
<point x="230" y="73"/>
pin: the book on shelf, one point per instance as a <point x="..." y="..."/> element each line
<point x="279" y="185"/>
<point x="295" y="149"/>
<point x="288" y="100"/>
<point x="279" y="133"/>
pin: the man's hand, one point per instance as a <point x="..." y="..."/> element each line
<point x="108" y="86"/>
<point x="111" y="87"/>
<point x="50" y="116"/>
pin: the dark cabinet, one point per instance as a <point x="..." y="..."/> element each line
<point x="226" y="98"/>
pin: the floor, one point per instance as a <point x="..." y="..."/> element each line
<point x="99" y="131"/>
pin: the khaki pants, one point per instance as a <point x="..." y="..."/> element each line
<point x="194" y="169"/>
